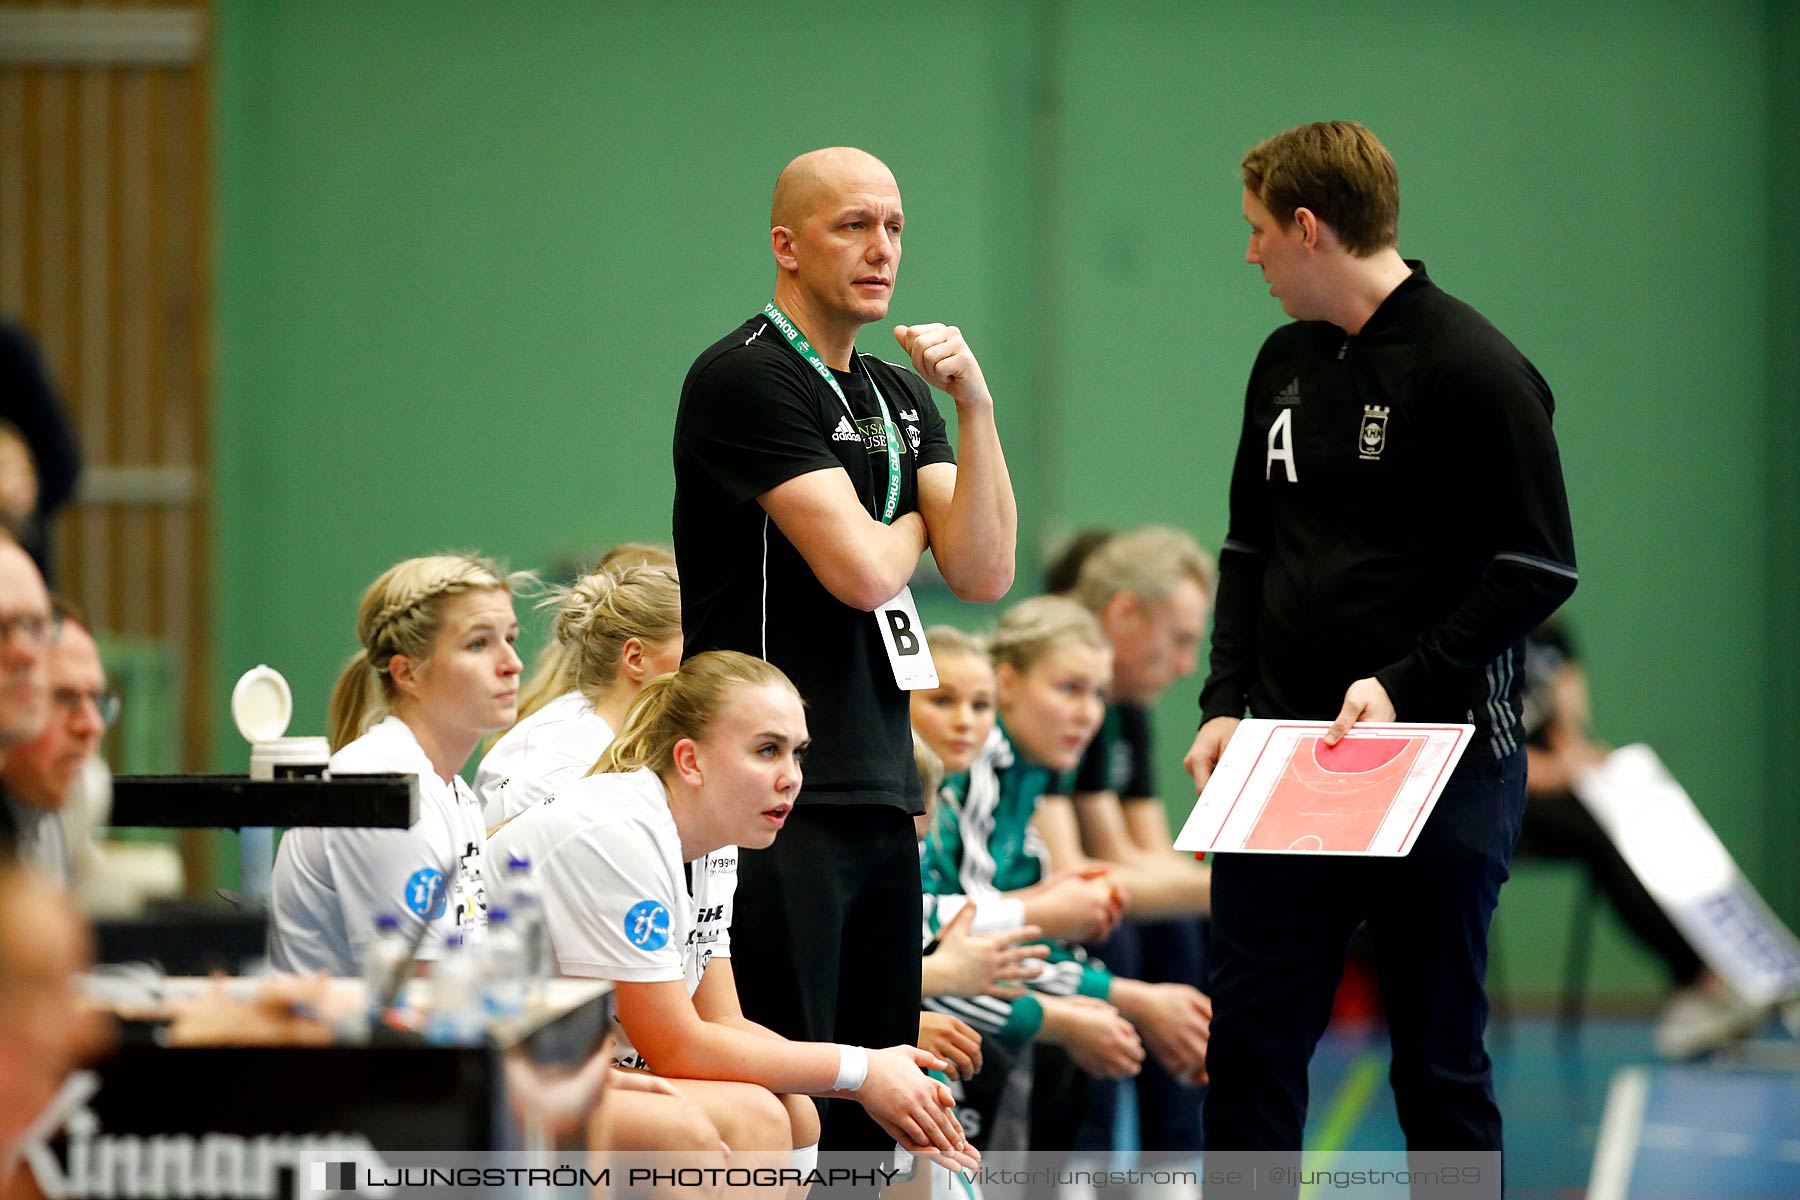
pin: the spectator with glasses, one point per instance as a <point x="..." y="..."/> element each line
<point x="40" y="774"/>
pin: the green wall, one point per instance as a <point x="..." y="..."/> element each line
<point x="466" y="252"/>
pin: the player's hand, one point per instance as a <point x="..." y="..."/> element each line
<point x="960" y="1161"/>
<point x="1096" y="1035"/>
<point x="559" y="1102"/>
<point x="1366" y="700"/>
<point x="1203" y="756"/>
<point x="948" y="1038"/>
<point x="917" y="1109"/>
<point x="943" y="359"/>
<point x="1176" y="1021"/>
<point x="976" y="964"/>
<point x="1080" y="906"/>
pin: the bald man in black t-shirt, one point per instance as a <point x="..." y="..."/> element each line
<point x="808" y="480"/>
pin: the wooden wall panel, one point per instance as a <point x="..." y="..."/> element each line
<point x="103" y="257"/>
<point x="12" y="190"/>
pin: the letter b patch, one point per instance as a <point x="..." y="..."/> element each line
<point x="902" y="633"/>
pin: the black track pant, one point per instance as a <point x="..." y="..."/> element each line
<point x="825" y="939"/>
<point x="1279" y="930"/>
<point x="1171" y="951"/>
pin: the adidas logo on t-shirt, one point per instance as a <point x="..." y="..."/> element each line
<point x="844" y="432"/>
<point x="1289" y="394"/>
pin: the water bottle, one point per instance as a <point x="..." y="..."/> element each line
<point x="388" y="955"/>
<point x="455" y="1018"/>
<point x="527" y="908"/>
<point x="502" y="958"/>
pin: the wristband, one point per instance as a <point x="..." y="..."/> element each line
<point x="853" y="1068"/>
<point x="998" y="916"/>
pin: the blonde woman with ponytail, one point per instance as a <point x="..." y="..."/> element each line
<point x="637" y="864"/>
<point x="615" y="630"/>
<point x="551" y="678"/>
<point x="436" y="672"/>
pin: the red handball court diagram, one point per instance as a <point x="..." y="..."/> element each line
<point x="1278" y="789"/>
<point x="1334" y="798"/>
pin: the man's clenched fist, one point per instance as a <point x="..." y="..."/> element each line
<point x="943" y="359"/>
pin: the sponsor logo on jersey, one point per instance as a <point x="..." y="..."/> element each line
<point x="1372" y="439"/>
<point x="714" y="913"/>
<point x="718" y="865"/>
<point x="874" y="434"/>
<point x="469" y="894"/>
<point x="426" y="895"/>
<point x="909" y="416"/>
<point x="843" y="432"/>
<point x="1288" y="395"/>
<point x="647" y="925"/>
<point x="912" y="435"/>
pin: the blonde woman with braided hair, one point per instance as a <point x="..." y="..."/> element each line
<point x="637" y="864"/>
<point x="615" y="630"/>
<point x="436" y="672"/>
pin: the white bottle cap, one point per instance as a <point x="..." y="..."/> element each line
<point x="262" y="704"/>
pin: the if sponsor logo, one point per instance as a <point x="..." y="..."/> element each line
<point x="647" y="925"/>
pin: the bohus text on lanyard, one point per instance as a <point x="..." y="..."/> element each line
<point x="902" y="633"/>
<point x="805" y="350"/>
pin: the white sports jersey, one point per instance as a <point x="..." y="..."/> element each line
<point x="559" y="742"/>
<point x="329" y="885"/>
<point x="618" y="900"/>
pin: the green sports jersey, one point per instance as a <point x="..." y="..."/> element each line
<point x="1012" y="1022"/>
<point x="981" y="838"/>
<point x="981" y="843"/>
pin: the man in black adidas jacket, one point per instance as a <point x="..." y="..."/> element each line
<point x="1398" y="524"/>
